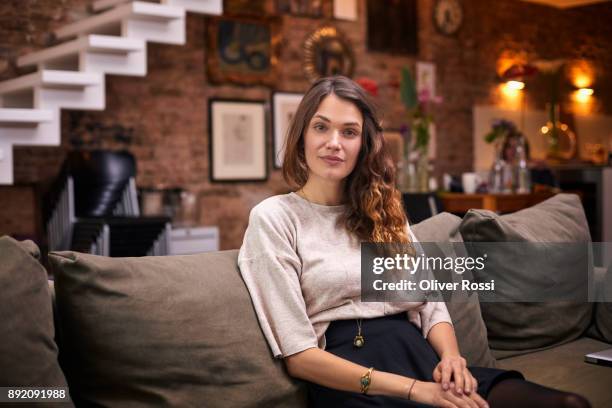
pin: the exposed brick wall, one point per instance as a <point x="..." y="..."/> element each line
<point x="19" y="216"/>
<point x="168" y="108"/>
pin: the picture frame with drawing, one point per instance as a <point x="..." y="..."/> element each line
<point x="284" y="105"/>
<point x="237" y="140"/>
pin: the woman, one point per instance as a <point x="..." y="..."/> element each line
<point x="300" y="260"/>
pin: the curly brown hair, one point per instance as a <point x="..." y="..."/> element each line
<point x="374" y="210"/>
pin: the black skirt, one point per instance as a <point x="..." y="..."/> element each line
<point x="392" y="344"/>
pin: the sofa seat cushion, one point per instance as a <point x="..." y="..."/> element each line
<point x="440" y="234"/>
<point x="164" y="331"/>
<point x="28" y="352"/>
<point x="563" y="367"/>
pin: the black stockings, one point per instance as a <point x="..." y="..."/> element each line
<point x="513" y="393"/>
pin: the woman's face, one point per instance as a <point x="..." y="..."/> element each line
<point x="332" y="140"/>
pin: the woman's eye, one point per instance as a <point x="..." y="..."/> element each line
<point x="350" y="132"/>
<point x="320" y="127"/>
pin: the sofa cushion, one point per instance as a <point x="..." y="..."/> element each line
<point x="563" y="367"/>
<point x="28" y="353"/>
<point x="164" y="331"/>
<point x="466" y="316"/>
<point x="517" y="327"/>
<point x="601" y="328"/>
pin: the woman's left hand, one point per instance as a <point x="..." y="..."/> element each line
<point x="455" y="368"/>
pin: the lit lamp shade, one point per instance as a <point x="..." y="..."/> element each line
<point x="518" y="72"/>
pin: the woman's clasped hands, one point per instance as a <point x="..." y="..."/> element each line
<point x="454" y="386"/>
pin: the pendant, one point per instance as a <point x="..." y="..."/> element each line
<point x="359" y="341"/>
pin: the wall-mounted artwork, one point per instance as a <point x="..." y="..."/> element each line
<point x="302" y="8"/>
<point x="392" y="29"/>
<point x="284" y="106"/>
<point x="237" y="135"/>
<point x="345" y="10"/>
<point x="245" y="7"/>
<point x="426" y="78"/>
<point x="243" y="50"/>
<point x="328" y="52"/>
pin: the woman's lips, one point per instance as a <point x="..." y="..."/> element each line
<point x="332" y="161"/>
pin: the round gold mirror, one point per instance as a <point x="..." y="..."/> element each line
<point x="327" y="52"/>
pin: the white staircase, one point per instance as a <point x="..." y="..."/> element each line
<point x="71" y="75"/>
<point x="195" y="6"/>
<point x="134" y="19"/>
<point x="93" y="53"/>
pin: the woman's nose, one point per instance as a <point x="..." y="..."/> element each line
<point x="334" y="140"/>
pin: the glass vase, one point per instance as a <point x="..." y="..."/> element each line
<point x="496" y="175"/>
<point x="561" y="140"/>
<point x="422" y="171"/>
<point x="407" y="177"/>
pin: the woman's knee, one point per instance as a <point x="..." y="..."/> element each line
<point x="572" y="400"/>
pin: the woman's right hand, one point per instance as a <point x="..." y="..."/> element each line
<point x="433" y="394"/>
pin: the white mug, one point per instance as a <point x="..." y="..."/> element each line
<point x="470" y="182"/>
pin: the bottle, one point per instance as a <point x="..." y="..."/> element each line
<point x="523" y="179"/>
<point x="496" y="176"/>
<point x="507" y="178"/>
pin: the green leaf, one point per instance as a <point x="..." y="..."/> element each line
<point x="491" y="136"/>
<point x="408" y="90"/>
<point x="422" y="134"/>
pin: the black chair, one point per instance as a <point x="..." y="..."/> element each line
<point x="94" y="208"/>
<point x="420" y="206"/>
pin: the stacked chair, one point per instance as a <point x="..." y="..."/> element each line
<point x="93" y="208"/>
<point x="420" y="206"/>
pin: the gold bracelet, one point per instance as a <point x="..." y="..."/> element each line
<point x="366" y="380"/>
<point x="410" y="390"/>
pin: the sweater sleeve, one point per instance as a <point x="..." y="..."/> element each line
<point x="431" y="313"/>
<point x="270" y="268"/>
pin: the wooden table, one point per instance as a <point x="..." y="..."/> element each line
<point x="501" y="203"/>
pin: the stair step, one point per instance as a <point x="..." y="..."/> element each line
<point x="32" y="117"/>
<point x="93" y="53"/>
<point x="54" y="89"/>
<point x="6" y="161"/>
<point x="101" y="5"/>
<point x="29" y="127"/>
<point x="137" y="19"/>
<point x="214" y="7"/>
<point x="50" y="79"/>
<point x="33" y="127"/>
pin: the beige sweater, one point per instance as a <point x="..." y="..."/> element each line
<point x="303" y="272"/>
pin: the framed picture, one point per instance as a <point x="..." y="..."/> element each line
<point x="345" y="10"/>
<point x="284" y="105"/>
<point x="243" y="50"/>
<point x="392" y="29"/>
<point x="237" y="137"/>
<point x="245" y="7"/>
<point x="302" y="8"/>
<point x="426" y="77"/>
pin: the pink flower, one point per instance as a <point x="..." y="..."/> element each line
<point x="425" y="97"/>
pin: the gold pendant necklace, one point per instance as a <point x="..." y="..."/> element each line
<point x="359" y="340"/>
